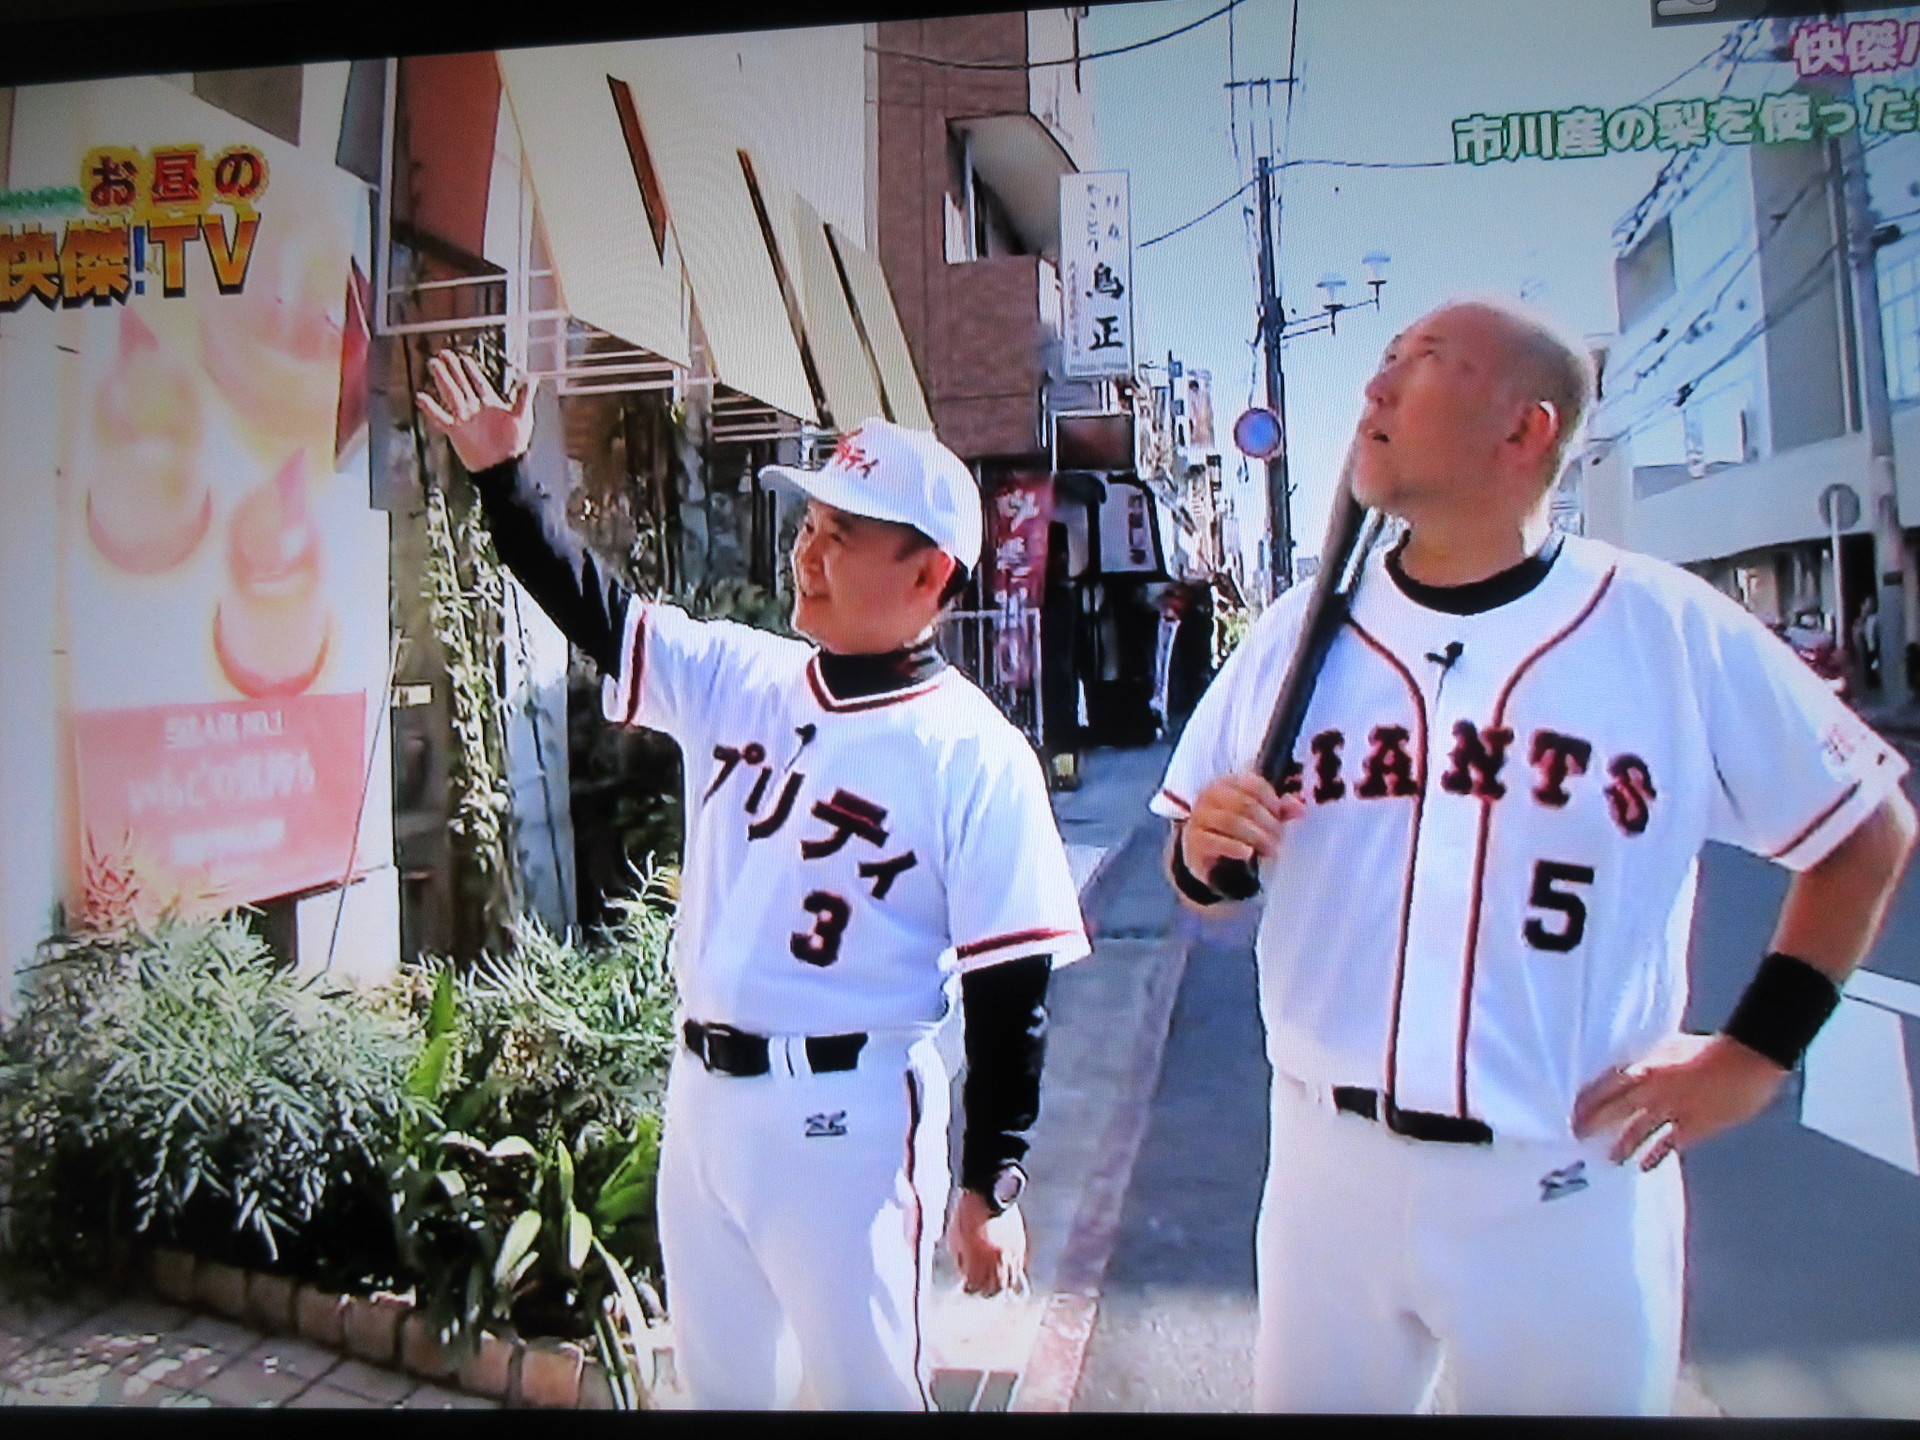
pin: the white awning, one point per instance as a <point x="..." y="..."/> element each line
<point x="849" y="377"/>
<point x="711" y="212"/>
<point x="610" y="273"/>
<point x="873" y="309"/>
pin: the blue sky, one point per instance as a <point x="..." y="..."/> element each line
<point x="1380" y="80"/>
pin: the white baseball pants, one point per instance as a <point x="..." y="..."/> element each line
<point x="798" y="1219"/>
<point x="1543" y="1279"/>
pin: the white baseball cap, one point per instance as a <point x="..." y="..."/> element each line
<point x="888" y="472"/>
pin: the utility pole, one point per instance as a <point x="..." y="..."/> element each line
<point x="1890" y="586"/>
<point x="1272" y="318"/>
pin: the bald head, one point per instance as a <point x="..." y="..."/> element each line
<point x="1542" y="362"/>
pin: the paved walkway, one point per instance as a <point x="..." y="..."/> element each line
<point x="99" y="1349"/>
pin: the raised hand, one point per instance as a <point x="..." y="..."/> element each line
<point x="485" y="430"/>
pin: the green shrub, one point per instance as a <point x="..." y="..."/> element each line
<point x="176" y="1083"/>
<point x="486" y="1135"/>
<point x="527" y="1196"/>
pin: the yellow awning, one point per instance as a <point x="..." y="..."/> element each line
<point x="711" y="212"/>
<point x="873" y="308"/>
<point x="610" y="273"/>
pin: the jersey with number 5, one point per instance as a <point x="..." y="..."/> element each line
<point x="1488" y="900"/>
<point x="845" y="859"/>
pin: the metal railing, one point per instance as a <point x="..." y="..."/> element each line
<point x="999" y="650"/>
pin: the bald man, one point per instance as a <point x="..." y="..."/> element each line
<point x="1478" y="883"/>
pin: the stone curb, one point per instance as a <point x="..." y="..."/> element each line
<point x="389" y="1331"/>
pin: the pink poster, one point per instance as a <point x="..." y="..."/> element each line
<point x="228" y="802"/>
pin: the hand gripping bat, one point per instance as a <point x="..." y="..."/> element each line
<point x="1351" y="531"/>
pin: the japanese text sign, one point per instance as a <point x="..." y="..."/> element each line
<point x="236" y="800"/>
<point x="1096" y="273"/>
<point x="1584" y="131"/>
<point x="147" y="210"/>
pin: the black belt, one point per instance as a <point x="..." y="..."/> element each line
<point x="1414" y="1124"/>
<point x="728" y="1051"/>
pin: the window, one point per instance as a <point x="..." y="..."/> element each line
<point x="1643" y="277"/>
<point x="1900" y="327"/>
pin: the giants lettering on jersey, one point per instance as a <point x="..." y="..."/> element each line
<point x="1474" y="768"/>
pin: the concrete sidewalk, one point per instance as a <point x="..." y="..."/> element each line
<point x="1109" y="1022"/>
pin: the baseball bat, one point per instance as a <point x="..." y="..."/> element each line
<point x="1351" y="530"/>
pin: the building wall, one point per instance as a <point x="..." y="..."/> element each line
<point x="974" y="327"/>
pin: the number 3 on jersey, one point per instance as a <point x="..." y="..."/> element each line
<point x="821" y="946"/>
<point x="1547" y="874"/>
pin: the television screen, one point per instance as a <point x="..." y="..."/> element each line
<point x="606" y="622"/>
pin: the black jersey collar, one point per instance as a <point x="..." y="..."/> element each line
<point x="857" y="677"/>
<point x="1478" y="595"/>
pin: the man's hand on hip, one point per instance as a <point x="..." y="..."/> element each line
<point x="1694" y="1087"/>
<point x="991" y="1250"/>
<point x="1235" y="818"/>
<point x="485" y="430"/>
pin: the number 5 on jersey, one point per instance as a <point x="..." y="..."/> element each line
<point x="1547" y="875"/>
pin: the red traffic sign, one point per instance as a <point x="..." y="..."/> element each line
<point x="1257" y="432"/>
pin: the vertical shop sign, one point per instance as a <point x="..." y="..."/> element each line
<point x="1096" y="273"/>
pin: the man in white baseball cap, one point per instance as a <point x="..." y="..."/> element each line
<point x="883" y="471"/>
<point x="867" y="839"/>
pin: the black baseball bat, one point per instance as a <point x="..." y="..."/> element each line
<point x="1351" y="530"/>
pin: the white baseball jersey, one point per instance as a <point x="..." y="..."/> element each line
<point x="1488" y="900"/>
<point x="845" y="860"/>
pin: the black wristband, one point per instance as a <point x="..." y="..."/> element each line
<point x="1782" y="1009"/>
<point x="1188" y="883"/>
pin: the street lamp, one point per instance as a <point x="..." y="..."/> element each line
<point x="1373" y="265"/>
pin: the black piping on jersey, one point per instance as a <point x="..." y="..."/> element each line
<point x="1818" y="820"/>
<point x="919" y="1227"/>
<point x="1001" y="942"/>
<point x="834" y="705"/>
<point x="854" y="677"/>
<point x="635" y="661"/>
<point x="1486" y="824"/>
<point x="1413" y="854"/>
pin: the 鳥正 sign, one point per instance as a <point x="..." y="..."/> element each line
<point x="1096" y="273"/>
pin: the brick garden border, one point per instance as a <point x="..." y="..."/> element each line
<point x="389" y="1331"/>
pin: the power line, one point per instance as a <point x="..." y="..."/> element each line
<point x="1801" y="291"/>
<point x="1067" y="60"/>
<point x="1814" y="182"/>
<point x="1627" y="231"/>
<point x="1288" y="165"/>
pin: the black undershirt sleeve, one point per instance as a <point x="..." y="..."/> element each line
<point x="1004" y="1017"/>
<point x="1185" y="881"/>
<point x="564" y="577"/>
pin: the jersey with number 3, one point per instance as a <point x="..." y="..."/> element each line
<point x="845" y="859"/>
<point x="1488" y="900"/>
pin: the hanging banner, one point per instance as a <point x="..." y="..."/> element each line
<point x="1022" y="510"/>
<point x="1019" y="517"/>
<point x="1096" y="273"/>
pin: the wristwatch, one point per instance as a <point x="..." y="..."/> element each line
<point x="1007" y="1188"/>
